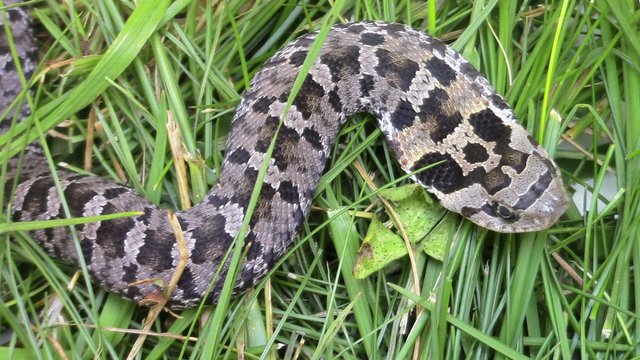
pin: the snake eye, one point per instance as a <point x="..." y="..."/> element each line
<point x="505" y="212"/>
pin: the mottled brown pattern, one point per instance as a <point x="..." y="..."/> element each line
<point x="432" y="106"/>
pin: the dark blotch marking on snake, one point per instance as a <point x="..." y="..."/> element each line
<point x="440" y="70"/>
<point x="492" y="181"/>
<point x="205" y="251"/>
<point x="446" y="177"/>
<point x="288" y="192"/>
<point x="309" y="98"/>
<point x="342" y="62"/>
<point x="77" y="196"/>
<point x="488" y="126"/>
<point x="366" y="85"/>
<point x="298" y="57"/>
<point x="445" y="126"/>
<point x="403" y="116"/>
<point x="334" y="100"/>
<point x="398" y="72"/>
<point x="263" y="103"/>
<point x="157" y="254"/>
<point x="475" y="153"/>
<point x="372" y="39"/>
<point x="33" y="199"/>
<point x="239" y="156"/>
<point x="437" y="116"/>
<point x="313" y="138"/>
<point x="288" y="140"/>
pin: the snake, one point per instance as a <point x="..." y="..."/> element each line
<point x="444" y="122"/>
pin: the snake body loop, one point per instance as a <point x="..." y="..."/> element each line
<point x="432" y="106"/>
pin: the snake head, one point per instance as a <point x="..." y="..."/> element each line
<point x="502" y="180"/>
<point x="534" y="201"/>
<point x="510" y="199"/>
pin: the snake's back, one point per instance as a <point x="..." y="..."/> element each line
<point x="432" y="106"/>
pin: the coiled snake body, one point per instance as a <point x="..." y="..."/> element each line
<point x="432" y="105"/>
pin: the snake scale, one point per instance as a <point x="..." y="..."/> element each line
<point x="431" y="104"/>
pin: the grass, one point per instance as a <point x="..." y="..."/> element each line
<point x="570" y="70"/>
